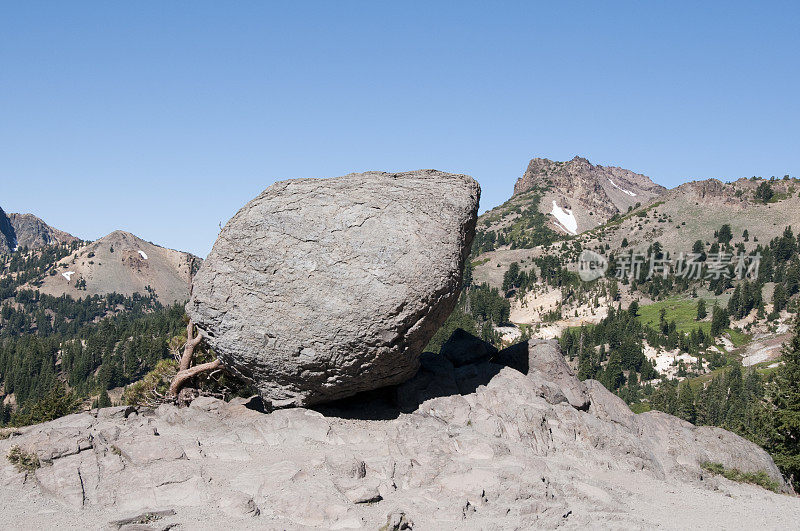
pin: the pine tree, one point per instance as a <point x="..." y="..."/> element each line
<point x="467" y="279"/>
<point x="104" y="400"/>
<point x="764" y="192"/>
<point x="793" y="278"/>
<point x="701" y="310"/>
<point x="779" y="298"/>
<point x="686" y="407"/>
<point x="785" y="446"/>
<point x="510" y="277"/>
<point x="725" y="235"/>
<point x="719" y="320"/>
<point x="613" y="378"/>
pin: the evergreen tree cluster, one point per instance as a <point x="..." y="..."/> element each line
<point x="746" y="297"/>
<point x="779" y="263"/>
<point x="517" y="279"/>
<point x="112" y="352"/>
<point x="23" y="266"/>
<point x="57" y="351"/>
<point x="611" y="351"/>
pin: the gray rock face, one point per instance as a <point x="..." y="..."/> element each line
<point x="321" y="288"/>
<point x="26" y="230"/>
<point x="543" y="361"/>
<point x="8" y="239"/>
<point x="482" y="448"/>
<point x="34" y="233"/>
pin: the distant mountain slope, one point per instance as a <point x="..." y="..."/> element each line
<point x="696" y="210"/>
<point x="34" y="233"/>
<point x="557" y="200"/>
<point x="676" y="218"/>
<point x="125" y="264"/>
<point x="578" y="195"/>
<point x="26" y="230"/>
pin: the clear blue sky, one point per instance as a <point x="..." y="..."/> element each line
<point x="164" y="118"/>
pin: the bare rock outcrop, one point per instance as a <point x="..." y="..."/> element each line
<point x="579" y="195"/>
<point x="8" y="240"/>
<point x="34" y="233"/>
<point x="481" y="446"/>
<point x="26" y="230"/>
<point x="321" y="288"/>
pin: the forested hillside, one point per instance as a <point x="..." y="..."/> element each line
<point x="699" y="288"/>
<point x="58" y="352"/>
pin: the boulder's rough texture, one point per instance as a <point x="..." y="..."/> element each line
<point x="321" y="288"/>
<point x="502" y="456"/>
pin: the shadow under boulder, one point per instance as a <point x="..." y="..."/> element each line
<point x="465" y="363"/>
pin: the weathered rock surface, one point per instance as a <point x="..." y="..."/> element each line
<point x="321" y="288"/>
<point x="34" y="233"/>
<point x="502" y="456"/>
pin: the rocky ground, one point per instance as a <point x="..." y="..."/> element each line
<point x="475" y="440"/>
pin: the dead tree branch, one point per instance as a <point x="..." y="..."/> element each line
<point x="185" y="371"/>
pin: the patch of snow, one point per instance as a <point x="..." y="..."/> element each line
<point x="621" y="189"/>
<point x="144" y="255"/>
<point x="565" y="218"/>
<point x="68" y="275"/>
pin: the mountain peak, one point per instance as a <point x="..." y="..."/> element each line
<point x="122" y="262"/>
<point x="27" y="230"/>
<point x="34" y="233"/>
<point x="589" y="192"/>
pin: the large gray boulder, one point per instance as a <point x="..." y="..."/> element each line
<point x="321" y="288"/>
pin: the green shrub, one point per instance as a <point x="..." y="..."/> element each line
<point x="155" y="384"/>
<point x="23" y="461"/>
<point x="759" y="478"/>
<point x="57" y="403"/>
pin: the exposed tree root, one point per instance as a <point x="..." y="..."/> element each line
<point x="185" y="371"/>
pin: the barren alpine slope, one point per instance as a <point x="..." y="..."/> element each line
<point x="125" y="264"/>
<point x="470" y="442"/>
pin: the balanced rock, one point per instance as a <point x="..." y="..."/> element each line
<point x="321" y="288"/>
